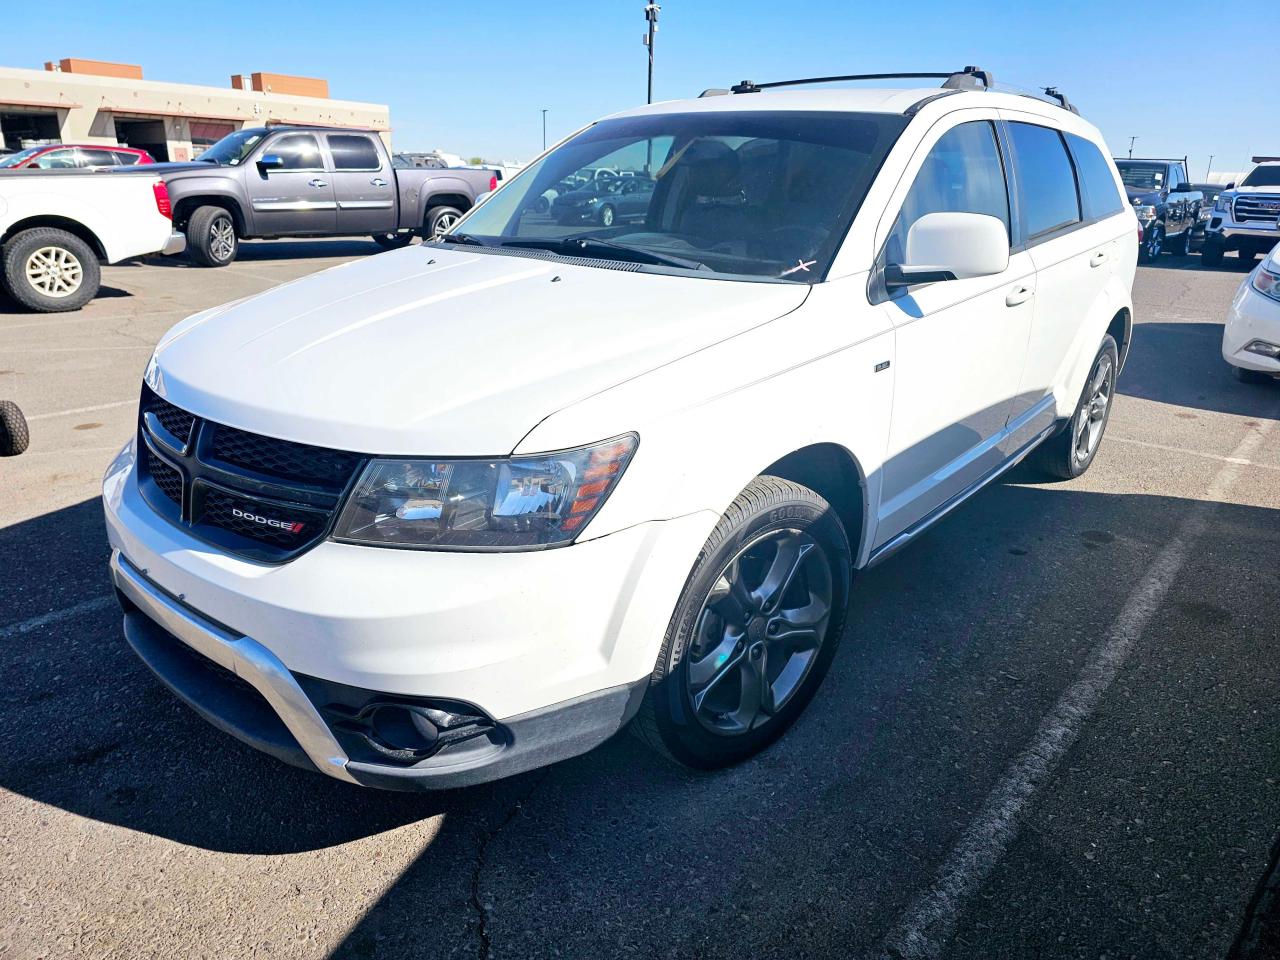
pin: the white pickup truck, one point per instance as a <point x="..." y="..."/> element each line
<point x="57" y="226"/>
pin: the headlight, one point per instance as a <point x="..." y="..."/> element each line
<point x="1266" y="283"/>
<point x="1145" y="211"/>
<point x="503" y="504"/>
<point x="1222" y="204"/>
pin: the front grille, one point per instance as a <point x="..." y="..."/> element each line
<point x="257" y="497"/>
<point x="177" y="421"/>
<point x="1257" y="209"/>
<point x="283" y="459"/>
<point x="165" y="477"/>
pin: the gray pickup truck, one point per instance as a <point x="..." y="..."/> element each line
<point x="268" y="182"/>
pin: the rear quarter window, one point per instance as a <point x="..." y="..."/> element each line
<point x="1046" y="182"/>
<point x="1099" y="194"/>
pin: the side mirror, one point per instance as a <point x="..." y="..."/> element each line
<point x="270" y="161"/>
<point x="1229" y="186"/>
<point x="951" y="246"/>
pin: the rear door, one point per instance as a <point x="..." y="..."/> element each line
<point x="1072" y="237"/>
<point x="960" y="343"/>
<point x="296" y="198"/>
<point x="94" y="158"/>
<point x="363" y="185"/>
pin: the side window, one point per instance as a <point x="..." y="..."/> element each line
<point x="1098" y="191"/>
<point x="55" y="160"/>
<point x="1046" y="182"/>
<point x="353" y="153"/>
<point x="963" y="173"/>
<point x="125" y="159"/>
<point x="97" y="158"/>
<point x="1179" y="175"/>
<point x="299" y="151"/>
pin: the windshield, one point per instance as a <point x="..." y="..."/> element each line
<point x="1263" y="177"/>
<point x="751" y="195"/>
<point x="1143" y="176"/>
<point x="13" y="159"/>
<point x="233" y="148"/>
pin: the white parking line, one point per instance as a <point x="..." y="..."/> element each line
<point x="74" y="410"/>
<point x="1193" y="453"/>
<point x="53" y="616"/>
<point x="924" y="928"/>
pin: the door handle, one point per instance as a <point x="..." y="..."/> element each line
<point x="1098" y="259"/>
<point x="1018" y="295"/>
<point x="378" y="182"/>
<point x="317" y="183"/>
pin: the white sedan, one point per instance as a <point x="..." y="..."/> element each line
<point x="1251" y="338"/>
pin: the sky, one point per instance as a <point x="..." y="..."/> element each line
<point x="473" y="77"/>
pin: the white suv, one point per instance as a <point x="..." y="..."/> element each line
<point x="470" y="507"/>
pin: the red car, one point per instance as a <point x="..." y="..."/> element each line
<point x="59" y="156"/>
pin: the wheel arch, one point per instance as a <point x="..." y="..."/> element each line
<point x="834" y="473"/>
<point x="68" y="224"/>
<point x="459" y="201"/>
<point x="1121" y="330"/>
<point x="185" y="207"/>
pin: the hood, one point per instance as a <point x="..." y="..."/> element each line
<point x="443" y="352"/>
<point x="1269" y="191"/>
<point x="1142" y="195"/>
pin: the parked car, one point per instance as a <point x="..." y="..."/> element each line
<point x="599" y="200"/>
<point x="1209" y="196"/>
<point x="1166" y="204"/>
<point x="471" y="507"/>
<point x="1251" y="337"/>
<point x="68" y="156"/>
<point x="269" y="182"/>
<point x="57" y="226"/>
<point x="1246" y="216"/>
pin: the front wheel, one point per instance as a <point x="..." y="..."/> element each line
<point x="606" y="216"/>
<point x="211" y="237"/>
<point x="1069" y="453"/>
<point x="1211" y="254"/>
<point x="1250" y="376"/>
<point x="754" y="631"/>
<point x="1152" y="243"/>
<point x="49" y="270"/>
<point x="14" y="436"/>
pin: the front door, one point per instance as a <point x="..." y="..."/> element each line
<point x="295" y="198"/>
<point x="960" y="343"/>
<point x="363" y="186"/>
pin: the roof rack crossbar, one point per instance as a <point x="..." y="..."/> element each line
<point x="1056" y="94"/>
<point x="969" y="76"/>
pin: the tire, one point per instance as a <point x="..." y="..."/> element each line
<point x="1247" y="256"/>
<point x="440" y="219"/>
<point x="1062" y="456"/>
<point x="211" y="237"/>
<point x="605" y="216"/>
<point x="1211" y="255"/>
<point x="49" y="270"/>
<point x="1152" y="244"/>
<point x="707" y="657"/>
<point x="1182" y="246"/>
<point x="1250" y="376"/>
<point x="392" y="241"/>
<point x="14" y="436"/>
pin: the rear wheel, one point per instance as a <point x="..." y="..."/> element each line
<point x="440" y="220"/>
<point x="49" y="270"/>
<point x="392" y="241"/>
<point x="14" y="436"/>
<point x="1069" y="454"/>
<point x="754" y="631"/>
<point x="211" y="237"/>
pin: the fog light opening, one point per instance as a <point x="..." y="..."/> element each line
<point x="1263" y="348"/>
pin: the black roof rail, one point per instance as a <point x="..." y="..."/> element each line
<point x="1265" y="159"/>
<point x="1156" y="159"/>
<point x="966" y="79"/>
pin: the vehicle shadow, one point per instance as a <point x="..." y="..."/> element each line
<point x="810" y="846"/>
<point x="258" y="251"/>
<point x="1181" y="364"/>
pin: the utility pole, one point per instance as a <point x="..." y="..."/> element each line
<point x="651" y="11"/>
<point x="1208" y="168"/>
<point x="544" y="130"/>
<point x="1131" y="139"/>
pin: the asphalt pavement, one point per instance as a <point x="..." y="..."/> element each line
<point x="1052" y="729"/>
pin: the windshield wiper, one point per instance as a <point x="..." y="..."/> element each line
<point x="464" y="238"/>
<point x="588" y="246"/>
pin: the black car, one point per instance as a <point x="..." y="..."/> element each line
<point x="1167" y="205"/>
<point x="1209" y="192"/>
<point x="605" y="201"/>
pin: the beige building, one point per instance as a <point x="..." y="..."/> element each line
<point x="89" y="101"/>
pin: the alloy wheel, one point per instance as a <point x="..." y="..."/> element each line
<point x="54" y="271"/>
<point x="759" y="632"/>
<point x="443" y="223"/>
<point x="1092" y="416"/>
<point x="222" y="238"/>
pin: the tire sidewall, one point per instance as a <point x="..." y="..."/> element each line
<point x="683" y="734"/>
<point x="16" y="253"/>
<point x="1078" y="467"/>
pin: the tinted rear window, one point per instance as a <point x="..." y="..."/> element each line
<point x="1098" y="190"/>
<point x="1046" y="183"/>
<point x="353" y="153"/>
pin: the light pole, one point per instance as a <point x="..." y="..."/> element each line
<point x="1131" y="140"/>
<point x="651" y="11"/>
<point x="544" y="131"/>
<point x="1208" y="168"/>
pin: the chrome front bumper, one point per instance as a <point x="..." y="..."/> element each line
<point x="176" y="244"/>
<point x="243" y="656"/>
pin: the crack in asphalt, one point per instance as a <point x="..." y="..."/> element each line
<point x="484" y="838"/>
